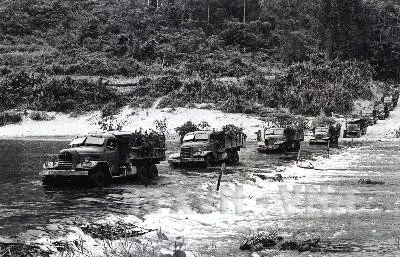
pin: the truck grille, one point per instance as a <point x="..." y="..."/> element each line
<point x="270" y="141"/>
<point x="65" y="161"/>
<point x="186" y="152"/>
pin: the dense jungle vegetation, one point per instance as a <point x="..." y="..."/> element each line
<point x="236" y="55"/>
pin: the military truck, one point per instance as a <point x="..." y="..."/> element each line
<point x="388" y="101"/>
<point x="395" y="98"/>
<point x="279" y="139"/>
<point x="355" y="127"/>
<point x="206" y="148"/>
<point x="370" y="115"/>
<point x="325" y="134"/>
<point x="325" y="129"/>
<point x="98" y="158"/>
<point x="380" y="111"/>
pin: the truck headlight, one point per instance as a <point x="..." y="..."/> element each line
<point x="87" y="164"/>
<point x="202" y="149"/>
<point x="174" y="156"/>
<point x="50" y="165"/>
<point x="199" y="151"/>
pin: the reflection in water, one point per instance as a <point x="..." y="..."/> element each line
<point x="184" y="202"/>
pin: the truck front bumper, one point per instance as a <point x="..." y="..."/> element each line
<point x="64" y="173"/>
<point x="318" y="141"/>
<point x="266" y="148"/>
<point x="186" y="161"/>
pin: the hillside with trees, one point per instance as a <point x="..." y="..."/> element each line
<point x="320" y="53"/>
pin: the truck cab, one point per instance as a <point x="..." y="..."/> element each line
<point x="371" y="115"/>
<point x="380" y="111"/>
<point x="207" y="147"/>
<point x="101" y="157"/>
<point x="279" y="139"/>
<point x="321" y="135"/>
<point x="355" y="128"/>
<point x="388" y="101"/>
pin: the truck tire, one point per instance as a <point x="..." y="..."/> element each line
<point x="48" y="181"/>
<point x="208" y="161"/>
<point x="97" y="178"/>
<point x="235" y="157"/>
<point x="141" y="173"/>
<point x="151" y="171"/>
<point x="297" y="146"/>
<point x="283" y="148"/>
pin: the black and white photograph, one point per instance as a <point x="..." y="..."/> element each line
<point x="199" y="128"/>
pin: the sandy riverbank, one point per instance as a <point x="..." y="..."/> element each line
<point x="64" y="125"/>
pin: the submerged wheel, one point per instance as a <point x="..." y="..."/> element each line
<point x="141" y="172"/>
<point x="208" y="161"/>
<point x="48" y="180"/>
<point x="283" y="148"/>
<point x="235" y="157"/>
<point x="97" y="179"/>
<point x="297" y="146"/>
<point x="154" y="170"/>
<point x="151" y="171"/>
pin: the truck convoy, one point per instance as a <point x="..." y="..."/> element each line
<point x="355" y="127"/>
<point x="206" y="148"/>
<point x="98" y="158"/>
<point x="279" y="139"/>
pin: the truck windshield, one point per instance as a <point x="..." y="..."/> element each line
<point x="77" y="141"/>
<point x="94" y="141"/>
<point x="196" y="137"/>
<point x="275" y="131"/>
<point x="321" y="130"/>
<point x="353" y="127"/>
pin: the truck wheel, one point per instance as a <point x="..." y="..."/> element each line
<point x="141" y="172"/>
<point x="235" y="157"/>
<point x="152" y="171"/>
<point x="283" y="148"/>
<point x="208" y="161"/>
<point x="48" y="181"/>
<point x="97" y="178"/>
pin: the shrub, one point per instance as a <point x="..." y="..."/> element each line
<point x="272" y="240"/>
<point x="109" y="109"/>
<point x="10" y="117"/>
<point x="39" y="116"/>
<point x="186" y="128"/>
<point x="27" y="90"/>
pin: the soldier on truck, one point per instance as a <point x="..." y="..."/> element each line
<point x="206" y="148"/>
<point x="98" y="158"/>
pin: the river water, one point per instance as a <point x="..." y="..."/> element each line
<point x="357" y="219"/>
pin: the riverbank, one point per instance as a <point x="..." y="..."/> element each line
<point x="64" y="125"/>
